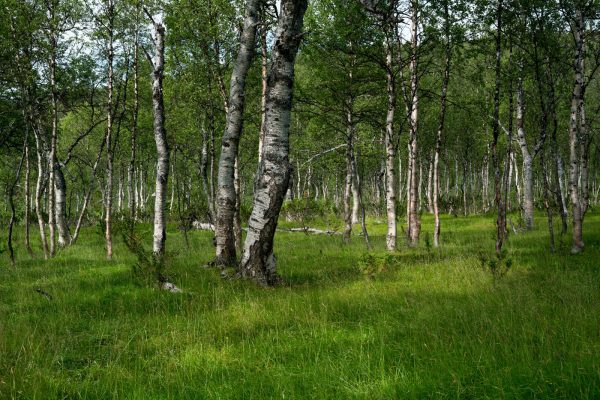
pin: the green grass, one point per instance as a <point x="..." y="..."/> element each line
<point x="432" y="324"/>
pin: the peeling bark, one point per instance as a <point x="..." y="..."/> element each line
<point x="390" y="151"/>
<point x="258" y="260"/>
<point x="226" y="193"/>
<point x="162" y="146"/>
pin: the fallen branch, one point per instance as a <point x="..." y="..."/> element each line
<point x="308" y="230"/>
<point x="203" y="226"/>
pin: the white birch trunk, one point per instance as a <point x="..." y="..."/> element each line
<point x="226" y="193"/>
<point x="258" y="260"/>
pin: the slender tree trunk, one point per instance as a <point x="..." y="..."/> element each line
<point x="27" y="194"/>
<point x="559" y="169"/>
<point x="357" y="183"/>
<point x="258" y="260"/>
<point x="226" y="196"/>
<point x="60" y="206"/>
<point x="413" y="216"/>
<point x="11" y="201"/>
<point x="501" y="220"/>
<point x="131" y="196"/>
<point x="429" y="193"/>
<point x="348" y="214"/>
<point x="54" y="133"/>
<point x="527" y="160"/>
<point x="162" y="145"/>
<point x="390" y="151"/>
<point x="574" y="142"/>
<point x="109" y="130"/>
<point x="39" y="190"/>
<point x="546" y="195"/>
<point x="440" y="131"/>
<point x="263" y="98"/>
<point x="88" y="194"/>
<point x="237" y="218"/>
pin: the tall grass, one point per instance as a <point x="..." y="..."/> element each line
<point x="425" y="323"/>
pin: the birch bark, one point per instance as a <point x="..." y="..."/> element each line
<point x="226" y="193"/>
<point x="258" y="260"/>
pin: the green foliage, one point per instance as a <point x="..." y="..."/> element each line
<point x="373" y="265"/>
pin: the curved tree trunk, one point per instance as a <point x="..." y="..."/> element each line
<point x="226" y="194"/>
<point x="258" y="260"/>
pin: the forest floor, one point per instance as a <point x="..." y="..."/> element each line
<point x="423" y="323"/>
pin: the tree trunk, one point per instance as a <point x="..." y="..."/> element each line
<point x="11" y="201"/>
<point x="27" y="194"/>
<point x="440" y="131"/>
<point x="237" y="218"/>
<point x="390" y="151"/>
<point x="131" y="197"/>
<point x="54" y="133"/>
<point x="348" y="213"/>
<point x="263" y="98"/>
<point x="109" y="130"/>
<point x="60" y="192"/>
<point x="574" y="143"/>
<point x="414" y="224"/>
<point x="501" y="219"/>
<point x="162" y="146"/>
<point x="258" y="260"/>
<point x="39" y="190"/>
<point x="527" y="160"/>
<point x="88" y="194"/>
<point x="226" y="195"/>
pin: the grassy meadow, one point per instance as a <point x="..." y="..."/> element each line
<point x="347" y="324"/>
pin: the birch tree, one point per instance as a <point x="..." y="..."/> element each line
<point x="272" y="181"/>
<point x="226" y="193"/>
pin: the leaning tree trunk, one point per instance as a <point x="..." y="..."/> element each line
<point x="440" y="132"/>
<point x="162" y="147"/>
<point x="574" y="145"/>
<point x="258" y="260"/>
<point x="390" y="150"/>
<point x="226" y="193"/>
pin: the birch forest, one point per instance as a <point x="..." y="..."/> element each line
<point x="299" y="199"/>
